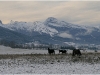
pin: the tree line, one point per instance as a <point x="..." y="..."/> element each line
<point x="13" y="44"/>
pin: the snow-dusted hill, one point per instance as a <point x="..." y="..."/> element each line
<point x="55" y="31"/>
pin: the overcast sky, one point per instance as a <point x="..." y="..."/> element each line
<point x="76" y="12"/>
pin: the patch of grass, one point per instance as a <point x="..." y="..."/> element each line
<point x="46" y="58"/>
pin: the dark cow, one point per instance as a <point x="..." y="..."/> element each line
<point x="62" y="51"/>
<point x="76" y="52"/>
<point x="51" y="51"/>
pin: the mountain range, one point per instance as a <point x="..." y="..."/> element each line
<point x="51" y="31"/>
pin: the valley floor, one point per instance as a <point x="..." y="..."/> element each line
<point x="19" y="61"/>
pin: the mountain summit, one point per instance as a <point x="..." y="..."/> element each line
<point x="51" y="20"/>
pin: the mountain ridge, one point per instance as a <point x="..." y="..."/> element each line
<point x="56" y="32"/>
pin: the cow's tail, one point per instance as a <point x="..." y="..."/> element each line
<point x="73" y="54"/>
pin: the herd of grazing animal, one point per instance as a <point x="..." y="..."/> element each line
<point x="74" y="52"/>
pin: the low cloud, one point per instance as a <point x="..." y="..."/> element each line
<point x="65" y="35"/>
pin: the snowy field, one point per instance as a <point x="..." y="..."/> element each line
<point x="8" y="50"/>
<point x="24" y="61"/>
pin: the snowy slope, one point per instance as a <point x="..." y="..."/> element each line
<point x="30" y="26"/>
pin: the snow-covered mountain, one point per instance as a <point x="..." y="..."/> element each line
<point x="30" y="27"/>
<point x="55" y="31"/>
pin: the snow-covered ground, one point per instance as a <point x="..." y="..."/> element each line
<point x="42" y="63"/>
<point x="56" y="68"/>
<point x="8" y="50"/>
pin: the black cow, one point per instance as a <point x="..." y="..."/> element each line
<point x="76" y="52"/>
<point x="62" y="51"/>
<point x="51" y="51"/>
